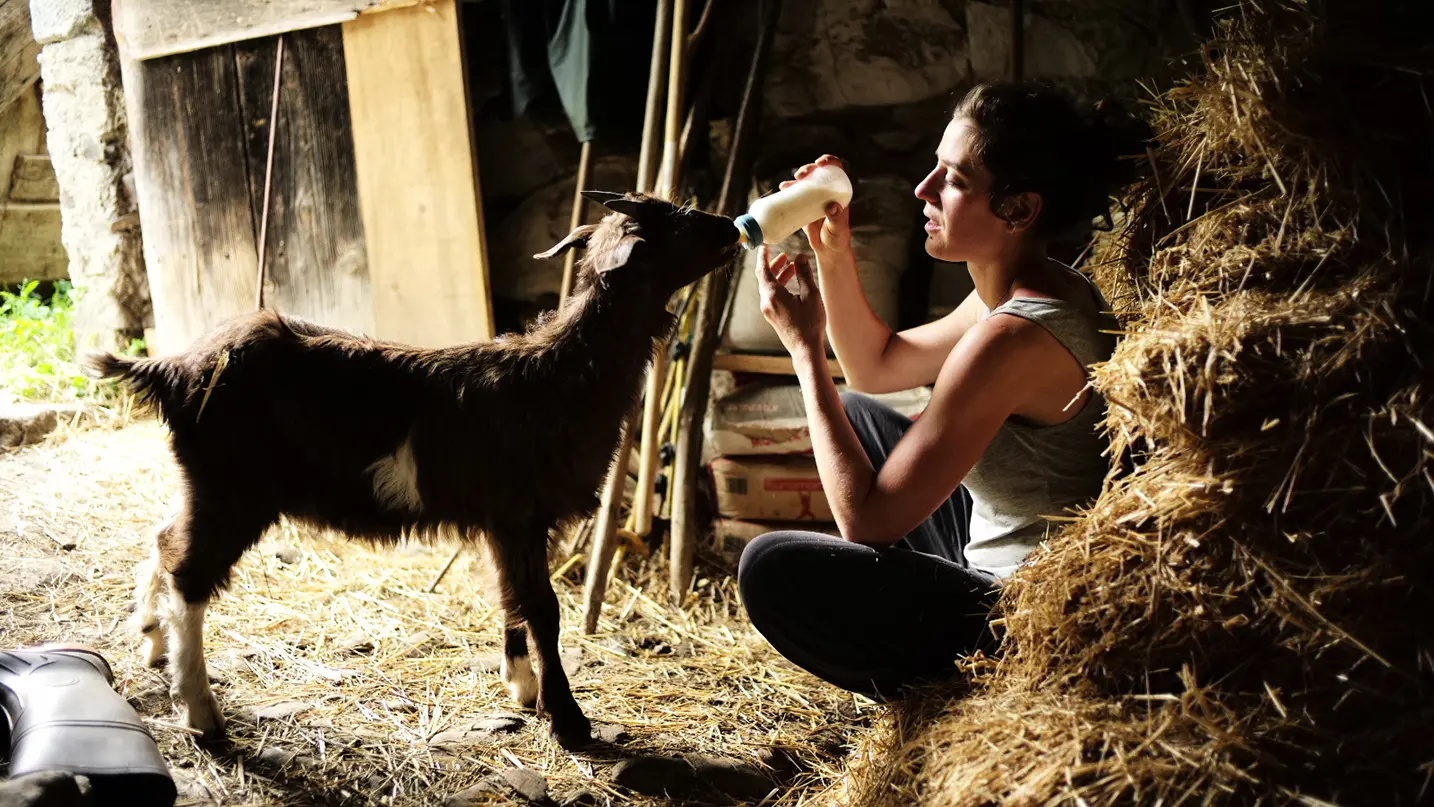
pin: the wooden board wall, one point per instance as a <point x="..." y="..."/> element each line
<point x="199" y="125"/>
<point x="318" y="264"/>
<point x="417" y="176"/>
<point x="192" y="186"/>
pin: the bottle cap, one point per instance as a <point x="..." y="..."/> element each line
<point x="749" y="228"/>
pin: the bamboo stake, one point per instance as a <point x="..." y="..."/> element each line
<point x="580" y="209"/>
<point x="711" y="305"/>
<point x="605" y="533"/>
<point x="666" y="188"/>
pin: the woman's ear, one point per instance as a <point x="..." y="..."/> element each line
<point x="1021" y="211"/>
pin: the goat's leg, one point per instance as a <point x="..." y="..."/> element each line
<point x="517" y="667"/>
<point x="528" y="592"/>
<point x="189" y="675"/>
<point x="150" y="586"/>
<point x="196" y="554"/>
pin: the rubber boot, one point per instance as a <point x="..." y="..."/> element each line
<point x="64" y="715"/>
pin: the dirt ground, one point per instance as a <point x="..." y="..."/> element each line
<point x="345" y="682"/>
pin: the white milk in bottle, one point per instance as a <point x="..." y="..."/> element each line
<point x="771" y="219"/>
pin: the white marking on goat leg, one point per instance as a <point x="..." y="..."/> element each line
<point x="395" y="479"/>
<point x="522" y="683"/>
<point x="148" y="587"/>
<point x="189" y="676"/>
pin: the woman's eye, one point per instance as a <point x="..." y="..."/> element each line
<point x="952" y="179"/>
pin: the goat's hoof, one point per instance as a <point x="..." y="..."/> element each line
<point x="572" y="731"/>
<point x="153" y="649"/>
<point x="203" y="716"/>
<point x="522" y="683"/>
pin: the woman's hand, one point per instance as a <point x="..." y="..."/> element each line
<point x="831" y="235"/>
<point x="800" y="319"/>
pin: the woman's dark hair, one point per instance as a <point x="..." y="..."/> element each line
<point x="1037" y="139"/>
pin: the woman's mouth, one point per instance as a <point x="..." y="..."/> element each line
<point x="932" y="226"/>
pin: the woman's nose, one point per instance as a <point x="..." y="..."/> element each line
<point x="924" y="189"/>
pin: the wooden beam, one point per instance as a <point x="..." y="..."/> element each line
<point x="149" y="29"/>
<point x="19" y="67"/>
<point x="192" y="187"/>
<point x="771" y="365"/>
<point x="417" y="176"/>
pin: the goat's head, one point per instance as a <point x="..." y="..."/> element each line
<point x="651" y="241"/>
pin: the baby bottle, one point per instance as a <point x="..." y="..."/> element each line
<point x="771" y="219"/>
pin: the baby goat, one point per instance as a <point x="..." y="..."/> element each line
<point x="273" y="416"/>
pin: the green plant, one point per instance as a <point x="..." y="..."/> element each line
<point x="37" y="346"/>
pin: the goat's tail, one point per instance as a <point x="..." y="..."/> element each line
<point x="150" y="379"/>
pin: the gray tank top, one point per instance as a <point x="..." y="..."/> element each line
<point x="1029" y="471"/>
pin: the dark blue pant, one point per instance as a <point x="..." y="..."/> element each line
<point x="872" y="620"/>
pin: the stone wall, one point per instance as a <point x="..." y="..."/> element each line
<point x="88" y="143"/>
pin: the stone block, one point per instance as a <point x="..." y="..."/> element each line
<point x="55" y="20"/>
<point x="1052" y="50"/>
<point x="836" y="54"/>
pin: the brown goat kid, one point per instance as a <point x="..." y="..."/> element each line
<point x="273" y="416"/>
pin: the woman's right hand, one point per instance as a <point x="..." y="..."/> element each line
<point x="831" y="236"/>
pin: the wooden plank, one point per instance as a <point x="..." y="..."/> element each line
<point x="771" y="365"/>
<point x="30" y="247"/>
<point x="417" y="178"/>
<point x="149" y="29"/>
<point x="317" y="260"/>
<point x="187" y="142"/>
<point x="33" y="179"/>
<point x="19" y="67"/>
<point x="22" y="131"/>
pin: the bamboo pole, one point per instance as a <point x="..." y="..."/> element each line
<point x="580" y="209"/>
<point x="666" y="188"/>
<point x="711" y="305"/>
<point x="605" y="533"/>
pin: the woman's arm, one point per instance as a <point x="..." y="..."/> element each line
<point x="874" y="357"/>
<point x="986" y="378"/>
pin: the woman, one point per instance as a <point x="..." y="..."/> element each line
<point x="935" y="514"/>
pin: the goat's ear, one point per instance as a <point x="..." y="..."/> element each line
<point x="576" y="238"/>
<point x="628" y="207"/>
<point x="619" y="255"/>
<point x="601" y="197"/>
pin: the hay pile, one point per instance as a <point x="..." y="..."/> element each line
<point x="1244" y="616"/>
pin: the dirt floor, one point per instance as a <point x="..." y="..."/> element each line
<point x="345" y="682"/>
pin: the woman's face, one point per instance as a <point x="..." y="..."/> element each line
<point x="957" y="193"/>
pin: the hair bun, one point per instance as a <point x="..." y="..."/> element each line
<point x="1117" y="135"/>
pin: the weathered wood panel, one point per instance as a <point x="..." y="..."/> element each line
<point x="418" y="184"/>
<point x="148" y="29"/>
<point x="317" y="263"/>
<point x="192" y="184"/>
<point x="19" y="68"/>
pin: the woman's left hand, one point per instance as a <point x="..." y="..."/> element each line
<point x="800" y="319"/>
